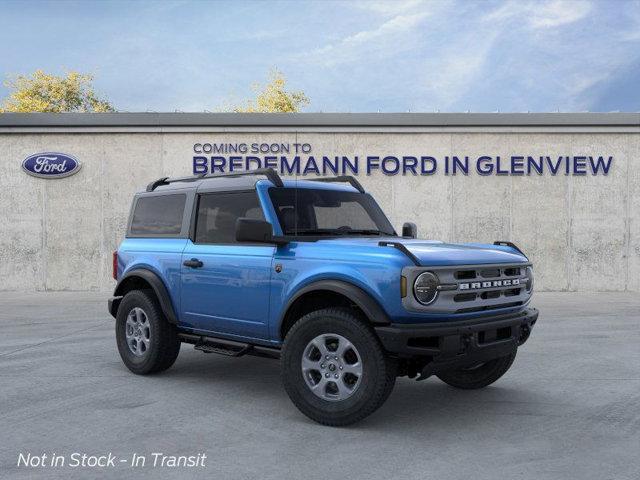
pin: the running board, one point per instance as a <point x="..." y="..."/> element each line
<point x="230" y="348"/>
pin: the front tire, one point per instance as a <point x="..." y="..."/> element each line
<point x="478" y="376"/>
<point x="334" y="368"/>
<point x="147" y="343"/>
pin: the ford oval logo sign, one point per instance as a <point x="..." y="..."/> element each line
<point x="51" y="165"/>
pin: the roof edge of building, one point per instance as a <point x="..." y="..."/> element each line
<point x="293" y="120"/>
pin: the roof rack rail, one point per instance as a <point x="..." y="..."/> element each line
<point x="342" y="178"/>
<point x="270" y="173"/>
<point x="156" y="183"/>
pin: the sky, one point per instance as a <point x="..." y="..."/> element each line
<point x="347" y="56"/>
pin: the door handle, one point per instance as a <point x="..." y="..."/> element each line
<point x="193" y="263"/>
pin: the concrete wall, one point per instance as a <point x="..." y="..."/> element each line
<point x="582" y="233"/>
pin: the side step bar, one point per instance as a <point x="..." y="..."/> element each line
<point x="230" y="348"/>
<point x="222" y="350"/>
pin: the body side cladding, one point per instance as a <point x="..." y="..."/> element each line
<point x="156" y="284"/>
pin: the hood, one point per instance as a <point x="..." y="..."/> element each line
<point x="435" y="253"/>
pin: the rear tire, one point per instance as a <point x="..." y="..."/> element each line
<point x="480" y="376"/>
<point x="334" y="369"/>
<point x="146" y="341"/>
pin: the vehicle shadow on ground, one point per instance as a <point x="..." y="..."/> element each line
<point x="425" y="405"/>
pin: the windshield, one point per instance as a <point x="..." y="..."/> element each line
<point x="311" y="212"/>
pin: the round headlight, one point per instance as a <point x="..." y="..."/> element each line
<point x="529" y="274"/>
<point x="425" y="288"/>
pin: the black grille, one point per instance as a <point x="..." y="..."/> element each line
<point x="464" y="297"/>
<point x="465" y="274"/>
<point x="490" y="273"/>
<point x="488" y="307"/>
<point x="512" y="292"/>
<point x="491" y="294"/>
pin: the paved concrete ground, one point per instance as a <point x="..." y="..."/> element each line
<point x="569" y="408"/>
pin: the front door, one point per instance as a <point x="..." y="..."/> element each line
<point x="225" y="284"/>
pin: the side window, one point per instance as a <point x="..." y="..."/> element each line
<point x="218" y="212"/>
<point x="158" y="215"/>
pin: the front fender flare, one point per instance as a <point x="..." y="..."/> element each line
<point x="158" y="287"/>
<point x="369" y="306"/>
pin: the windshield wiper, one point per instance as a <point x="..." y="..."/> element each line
<point x="314" y="231"/>
<point x="343" y="232"/>
<point x="364" y="232"/>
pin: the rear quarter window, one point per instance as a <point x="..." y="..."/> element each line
<point x="158" y="215"/>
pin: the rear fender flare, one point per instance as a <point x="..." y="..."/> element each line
<point x="158" y="287"/>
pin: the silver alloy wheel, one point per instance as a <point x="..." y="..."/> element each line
<point x="332" y="367"/>
<point x="138" y="331"/>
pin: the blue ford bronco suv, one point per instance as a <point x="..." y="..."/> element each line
<point x="312" y="272"/>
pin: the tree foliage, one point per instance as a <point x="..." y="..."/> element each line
<point x="43" y="92"/>
<point x="273" y="97"/>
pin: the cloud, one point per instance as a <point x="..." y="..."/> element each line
<point x="542" y="15"/>
<point x="389" y="8"/>
<point x="393" y="36"/>
<point x="556" y="13"/>
<point x="553" y="67"/>
<point x="504" y="51"/>
<point x="396" y="25"/>
<point x="511" y="55"/>
<point x="451" y="73"/>
<point x="632" y="14"/>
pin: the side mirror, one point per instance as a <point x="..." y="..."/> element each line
<point x="409" y="230"/>
<point x="256" y="231"/>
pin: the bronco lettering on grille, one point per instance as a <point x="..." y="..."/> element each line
<point x="489" y="284"/>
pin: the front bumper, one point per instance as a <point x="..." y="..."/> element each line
<point x="452" y="344"/>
